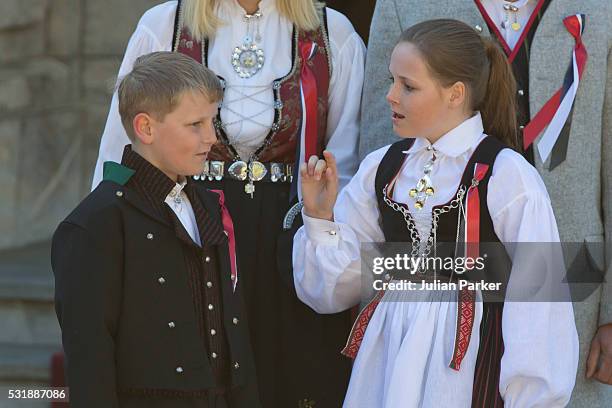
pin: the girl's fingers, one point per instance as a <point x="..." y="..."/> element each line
<point x="312" y="163"/>
<point x="317" y="168"/>
<point x="320" y="167"/>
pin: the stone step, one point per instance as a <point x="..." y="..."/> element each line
<point x="26" y="297"/>
<point x="25" y="273"/>
<point x="26" y="363"/>
<point x="30" y="333"/>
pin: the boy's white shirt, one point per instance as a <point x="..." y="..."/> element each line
<point x="184" y="211"/>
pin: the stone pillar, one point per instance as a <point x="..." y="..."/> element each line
<point x="58" y="58"/>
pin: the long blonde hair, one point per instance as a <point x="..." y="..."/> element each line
<point x="200" y="18"/>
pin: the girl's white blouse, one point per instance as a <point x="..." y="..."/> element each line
<point x="403" y="360"/>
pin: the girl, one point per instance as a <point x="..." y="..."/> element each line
<point x="293" y="73"/>
<point x="452" y="104"/>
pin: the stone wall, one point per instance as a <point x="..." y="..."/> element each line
<point x="57" y="63"/>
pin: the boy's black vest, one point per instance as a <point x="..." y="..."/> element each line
<point x="486" y="380"/>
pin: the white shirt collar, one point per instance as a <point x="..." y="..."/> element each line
<point x="456" y="142"/>
<point x="178" y="189"/>
<point x="264" y="6"/>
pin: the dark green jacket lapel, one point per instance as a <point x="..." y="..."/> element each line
<point x="120" y="174"/>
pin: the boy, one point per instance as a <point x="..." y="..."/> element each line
<point x="146" y="284"/>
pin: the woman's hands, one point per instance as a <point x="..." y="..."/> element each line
<point x="320" y="186"/>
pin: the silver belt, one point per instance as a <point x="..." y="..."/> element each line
<point x="254" y="171"/>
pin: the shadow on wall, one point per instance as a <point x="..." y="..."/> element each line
<point x="358" y="11"/>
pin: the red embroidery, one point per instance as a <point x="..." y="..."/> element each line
<point x="360" y="326"/>
<point x="465" y="322"/>
<point x="283" y="145"/>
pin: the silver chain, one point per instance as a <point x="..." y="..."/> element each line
<point x="410" y="225"/>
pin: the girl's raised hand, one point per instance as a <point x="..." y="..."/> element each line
<point x="319" y="186"/>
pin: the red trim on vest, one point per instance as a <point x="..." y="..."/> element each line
<point x="284" y="143"/>
<point x="473" y="212"/>
<point x="188" y="46"/>
<point x="466" y="303"/>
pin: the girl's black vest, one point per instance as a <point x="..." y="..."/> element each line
<point x="486" y="381"/>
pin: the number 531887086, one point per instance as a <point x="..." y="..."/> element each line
<point x="52" y="394"/>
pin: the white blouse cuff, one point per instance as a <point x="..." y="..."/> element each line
<point x="321" y="232"/>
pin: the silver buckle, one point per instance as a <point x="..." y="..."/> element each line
<point x="238" y="170"/>
<point x="257" y="171"/>
<point x="276" y="172"/>
<point x="281" y="172"/>
<point x="213" y="170"/>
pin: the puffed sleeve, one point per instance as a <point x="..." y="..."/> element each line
<point x="114" y="137"/>
<point x="348" y="62"/>
<point x="538" y="368"/>
<point x="326" y="254"/>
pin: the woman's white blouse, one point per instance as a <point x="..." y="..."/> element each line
<point x="154" y="33"/>
<point x="541" y="344"/>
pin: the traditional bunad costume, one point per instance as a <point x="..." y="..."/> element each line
<point x="447" y="348"/>
<point x="561" y="58"/>
<point x="288" y="94"/>
<point x="145" y="295"/>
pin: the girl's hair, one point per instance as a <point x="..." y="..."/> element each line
<point x="454" y="52"/>
<point x="201" y="20"/>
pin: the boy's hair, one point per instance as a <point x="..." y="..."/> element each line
<point x="157" y="82"/>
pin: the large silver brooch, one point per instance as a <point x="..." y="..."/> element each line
<point x="247" y="59"/>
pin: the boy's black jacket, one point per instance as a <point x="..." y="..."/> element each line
<point x="114" y="310"/>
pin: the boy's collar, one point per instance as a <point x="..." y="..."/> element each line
<point x="117" y="173"/>
<point x="150" y="179"/>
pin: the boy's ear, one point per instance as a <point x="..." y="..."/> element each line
<point x="457" y="94"/>
<point x="143" y="124"/>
